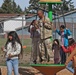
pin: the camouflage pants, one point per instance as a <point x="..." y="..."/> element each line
<point x="45" y="49"/>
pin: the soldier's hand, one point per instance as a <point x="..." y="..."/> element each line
<point x="44" y="22"/>
<point x="54" y="29"/>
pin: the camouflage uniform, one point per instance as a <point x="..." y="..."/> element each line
<point x="46" y="35"/>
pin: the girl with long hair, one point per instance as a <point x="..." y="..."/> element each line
<point x="56" y="50"/>
<point x="13" y="49"/>
<point x="35" y="36"/>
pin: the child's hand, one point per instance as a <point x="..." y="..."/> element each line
<point x="54" y="29"/>
<point x="44" y="21"/>
<point x="9" y="55"/>
<point x="66" y="63"/>
<point x="2" y="48"/>
<point x="53" y="51"/>
<point x="62" y="45"/>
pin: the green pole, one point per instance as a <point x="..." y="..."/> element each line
<point x="50" y="14"/>
<point x="50" y="11"/>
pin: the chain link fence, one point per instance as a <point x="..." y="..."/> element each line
<point x="70" y="24"/>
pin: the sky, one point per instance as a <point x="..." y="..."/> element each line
<point x="25" y="3"/>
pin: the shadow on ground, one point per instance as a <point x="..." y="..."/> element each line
<point x="24" y="71"/>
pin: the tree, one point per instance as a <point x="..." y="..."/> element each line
<point x="19" y="10"/>
<point x="26" y="10"/>
<point x="6" y="6"/>
<point x="34" y="6"/>
<point x="66" y="6"/>
<point x="9" y="6"/>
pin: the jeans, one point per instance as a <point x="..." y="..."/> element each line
<point x="70" y="66"/>
<point x="63" y="56"/>
<point x="12" y="64"/>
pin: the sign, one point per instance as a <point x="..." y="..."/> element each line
<point x="50" y="0"/>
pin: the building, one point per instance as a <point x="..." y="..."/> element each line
<point x="9" y="22"/>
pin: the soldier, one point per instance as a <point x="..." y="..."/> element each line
<point x="46" y="35"/>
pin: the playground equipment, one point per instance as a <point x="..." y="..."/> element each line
<point x="49" y="69"/>
<point x="50" y="3"/>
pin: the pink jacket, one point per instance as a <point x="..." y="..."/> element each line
<point x="69" y="49"/>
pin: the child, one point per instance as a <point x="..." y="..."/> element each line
<point x="72" y="45"/>
<point x="64" y="33"/>
<point x="34" y="29"/>
<point x="12" y="49"/>
<point x="56" y="50"/>
<point x="35" y="36"/>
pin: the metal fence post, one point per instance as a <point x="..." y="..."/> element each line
<point x="73" y="27"/>
<point x="22" y="29"/>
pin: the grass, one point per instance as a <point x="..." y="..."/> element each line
<point x="27" y="42"/>
<point x="2" y="42"/>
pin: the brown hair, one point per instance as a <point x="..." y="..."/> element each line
<point x="71" y="41"/>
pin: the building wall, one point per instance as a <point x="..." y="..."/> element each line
<point x="11" y="25"/>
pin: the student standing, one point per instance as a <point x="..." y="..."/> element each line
<point x="12" y="49"/>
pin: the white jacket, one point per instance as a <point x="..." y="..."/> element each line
<point x="12" y="51"/>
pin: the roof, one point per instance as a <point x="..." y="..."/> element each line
<point x="4" y="17"/>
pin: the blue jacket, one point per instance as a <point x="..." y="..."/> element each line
<point x="67" y="33"/>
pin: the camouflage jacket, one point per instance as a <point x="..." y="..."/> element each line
<point x="45" y="28"/>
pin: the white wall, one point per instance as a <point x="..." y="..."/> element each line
<point x="11" y="25"/>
